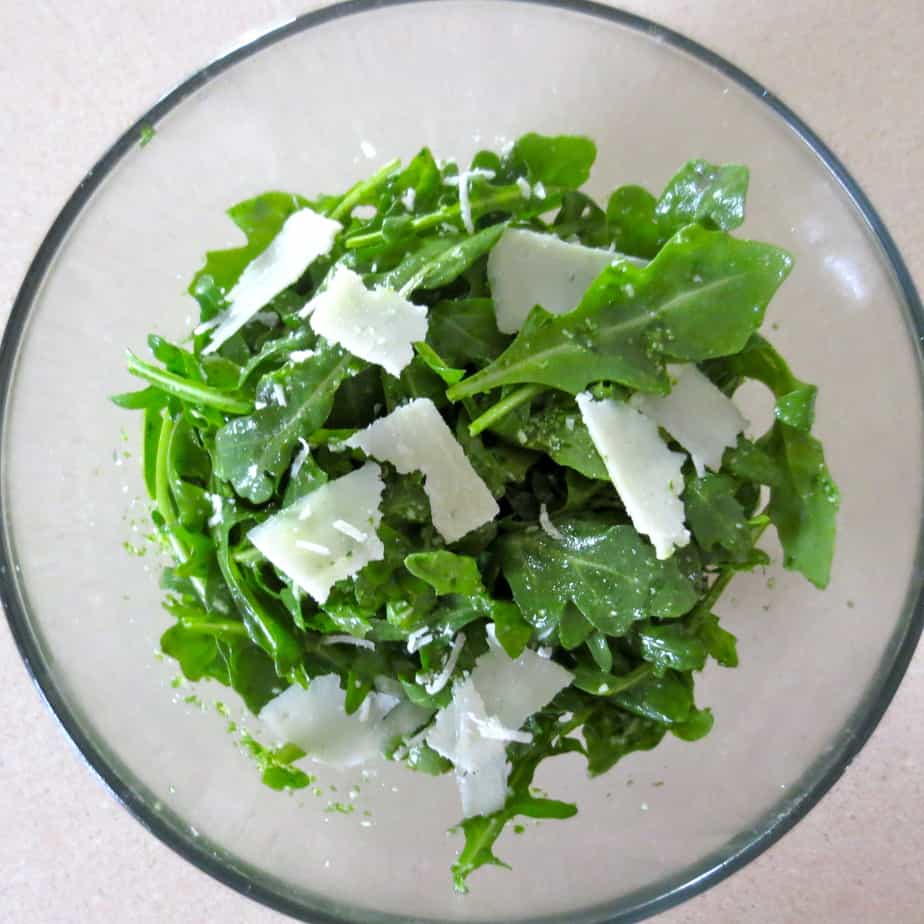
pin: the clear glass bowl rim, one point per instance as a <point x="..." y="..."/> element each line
<point x="712" y="869"/>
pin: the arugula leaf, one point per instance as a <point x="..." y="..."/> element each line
<point x="611" y="733"/>
<point x="705" y="193"/>
<point x="446" y="572"/>
<point x="632" y="223"/>
<point x="260" y="219"/>
<point x="804" y="500"/>
<point x="795" y="400"/>
<point x="465" y="333"/>
<point x="437" y="364"/>
<point x="804" y="505"/>
<point x="701" y="297"/>
<point x="665" y="698"/>
<point x="252" y="452"/>
<point x="562" y="160"/>
<point x="673" y="645"/>
<point x="716" y="517"/>
<point x="549" y="739"/>
<point x="609" y="572"/>
<point x="559" y="430"/>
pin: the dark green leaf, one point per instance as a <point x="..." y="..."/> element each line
<point x="710" y="195"/>
<point x="702" y="296"/>
<point x="667" y="699"/>
<point x="252" y="452"/>
<point x="260" y="219"/>
<point x="671" y="645"/>
<point x="611" y="733"/>
<point x="513" y="631"/>
<point x="563" y="160"/>
<point x="438" y="365"/>
<point x="465" y="332"/>
<point x="804" y="505"/>
<point x="697" y="726"/>
<point x="609" y="572"/>
<point x="716" y="517"/>
<point x="446" y="572"/>
<point x="632" y="223"/>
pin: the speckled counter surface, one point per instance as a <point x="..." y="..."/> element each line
<point x="74" y="73"/>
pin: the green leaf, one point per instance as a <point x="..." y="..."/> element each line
<point x="446" y="572"/>
<point x="632" y="223"/>
<point x="748" y="462"/>
<point x="441" y="260"/>
<point x="697" y="726"/>
<point x="265" y="629"/>
<point x="804" y="500"/>
<point x="600" y="651"/>
<point x="465" y="332"/>
<point x="498" y="465"/>
<point x="581" y="217"/>
<point x="804" y="505"/>
<point x="721" y="644"/>
<point x="276" y="764"/>
<point x="482" y="831"/>
<point x="252" y="452"/>
<point x="609" y="572"/>
<point x="795" y="404"/>
<point x="196" y="653"/>
<point x="562" y="160"/>
<point x="667" y="699"/>
<point x="260" y="219"/>
<point x="716" y="518"/>
<point x="573" y="628"/>
<point x="611" y="733"/>
<point x="701" y="297"/>
<point x="710" y="195"/>
<point x="558" y="430"/>
<point x="513" y="631"/>
<point x="671" y="646"/>
<point x="438" y="365"/>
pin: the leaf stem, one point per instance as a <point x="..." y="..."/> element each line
<point x="501" y="199"/>
<point x="503" y="407"/>
<point x="221" y="627"/>
<point x="356" y="192"/>
<point x="185" y="389"/>
<point x="718" y="586"/>
<point x="163" y="498"/>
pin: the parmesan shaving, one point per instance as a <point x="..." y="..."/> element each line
<point x="303" y="238"/>
<point x="414" y="437"/>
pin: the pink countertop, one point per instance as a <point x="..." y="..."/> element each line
<point x="853" y="70"/>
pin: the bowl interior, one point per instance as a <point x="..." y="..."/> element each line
<point x="312" y="112"/>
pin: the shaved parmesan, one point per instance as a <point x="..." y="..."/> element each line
<point x="485" y="713"/>
<point x="646" y="473"/>
<point x="302" y="542"/>
<point x="316" y="721"/>
<point x="526" y="268"/>
<point x="303" y="238"/>
<point x="377" y="325"/>
<point x="415" y="437"/>
<point x="301" y="457"/>
<point x="515" y="688"/>
<point x="548" y="527"/>
<point x="484" y="790"/>
<point x="443" y="677"/>
<point x="349" y="640"/>
<point x="697" y="414"/>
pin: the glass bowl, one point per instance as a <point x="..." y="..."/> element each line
<point x="313" y="106"/>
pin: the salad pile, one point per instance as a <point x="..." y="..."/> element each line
<point x="450" y="469"/>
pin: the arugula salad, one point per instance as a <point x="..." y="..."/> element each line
<point x="451" y="471"/>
